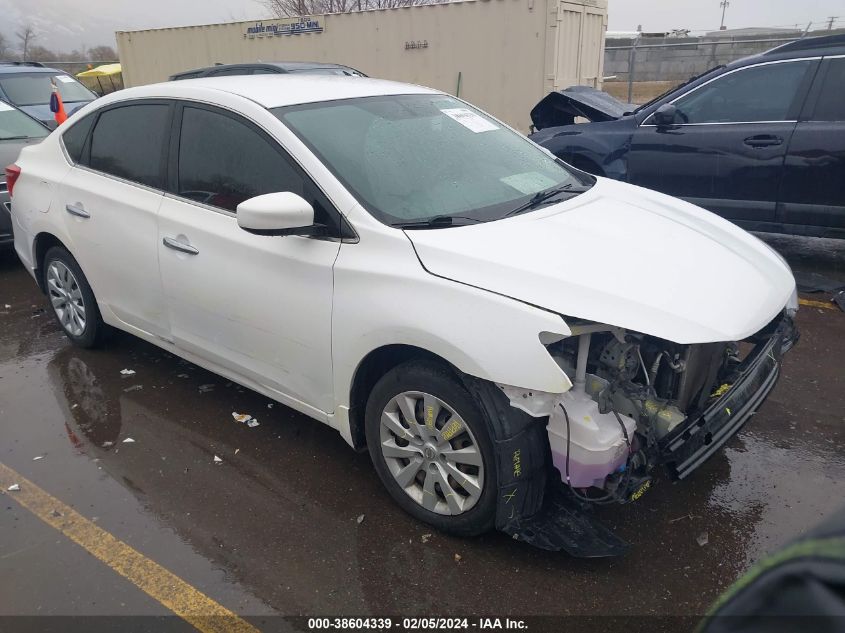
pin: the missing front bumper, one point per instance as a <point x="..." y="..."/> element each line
<point x="689" y="445"/>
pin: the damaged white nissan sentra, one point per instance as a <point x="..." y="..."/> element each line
<point x="512" y="339"/>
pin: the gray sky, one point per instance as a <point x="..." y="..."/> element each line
<point x="67" y="24"/>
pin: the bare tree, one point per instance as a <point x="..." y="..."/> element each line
<point x="4" y="46"/>
<point x="40" y="54"/>
<point x="26" y="35"/>
<point x="101" y="54"/>
<point x="296" y="8"/>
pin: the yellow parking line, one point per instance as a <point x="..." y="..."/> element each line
<point x="174" y="593"/>
<point x="817" y="304"/>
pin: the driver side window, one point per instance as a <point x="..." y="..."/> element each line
<point x="223" y="161"/>
<point x="759" y="93"/>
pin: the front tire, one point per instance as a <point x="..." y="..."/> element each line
<point x="71" y="299"/>
<point x="432" y="449"/>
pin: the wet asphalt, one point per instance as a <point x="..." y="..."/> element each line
<point x="274" y="528"/>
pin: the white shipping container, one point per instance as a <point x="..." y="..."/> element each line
<point x="502" y="55"/>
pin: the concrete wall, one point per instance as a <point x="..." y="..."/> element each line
<point x="509" y="53"/>
<point x="677" y="63"/>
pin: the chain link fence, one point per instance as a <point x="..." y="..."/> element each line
<point x="638" y="69"/>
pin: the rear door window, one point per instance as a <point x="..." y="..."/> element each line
<point x="831" y="102"/>
<point x="760" y="93"/>
<point x="129" y="142"/>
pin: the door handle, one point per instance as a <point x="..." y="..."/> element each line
<point x="78" y="210"/>
<point x="763" y="140"/>
<point x="176" y="245"/>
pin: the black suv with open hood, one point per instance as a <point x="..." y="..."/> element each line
<point x="760" y="141"/>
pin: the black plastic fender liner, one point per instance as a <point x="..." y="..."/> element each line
<point x="530" y="506"/>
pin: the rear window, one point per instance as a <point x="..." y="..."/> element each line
<point x="129" y="142"/>
<point x="35" y="88"/>
<point x="16" y="125"/>
<point x="74" y="138"/>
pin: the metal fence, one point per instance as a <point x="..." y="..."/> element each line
<point x="662" y="60"/>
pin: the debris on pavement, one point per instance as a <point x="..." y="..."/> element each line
<point x="425" y="537"/>
<point x="8" y="307"/>
<point x="106" y="444"/>
<point x="237" y="450"/>
<point x="128" y="440"/>
<point x="206" y="388"/>
<point x="14" y="488"/>
<point x="133" y="388"/>
<point x="458" y="558"/>
<point x="270" y="405"/>
<point x="360" y="519"/>
<point x="217" y="460"/>
<point x="182" y="376"/>
<point x="37" y="457"/>
<point x="127" y="372"/>
<point x="703" y="539"/>
<point x="245" y="418"/>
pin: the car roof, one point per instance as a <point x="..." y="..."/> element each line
<point x="804" y="47"/>
<point x="7" y="68"/>
<point x="272" y="91"/>
<point x="282" y="66"/>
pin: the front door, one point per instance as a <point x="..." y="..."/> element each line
<point x="726" y="149"/>
<point x="259" y="306"/>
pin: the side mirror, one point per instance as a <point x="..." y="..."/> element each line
<point x="665" y="115"/>
<point x="282" y="213"/>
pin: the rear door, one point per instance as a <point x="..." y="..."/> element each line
<point x="258" y="306"/>
<point x="812" y="196"/>
<point x="110" y="201"/>
<point x="726" y="150"/>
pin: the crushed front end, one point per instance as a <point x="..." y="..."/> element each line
<point x="638" y="403"/>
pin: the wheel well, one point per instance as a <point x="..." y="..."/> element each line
<point x="375" y="365"/>
<point x="43" y="243"/>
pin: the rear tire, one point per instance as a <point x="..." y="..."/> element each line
<point x="440" y="466"/>
<point x="71" y="299"/>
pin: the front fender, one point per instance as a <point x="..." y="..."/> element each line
<point x="604" y="144"/>
<point x="389" y="299"/>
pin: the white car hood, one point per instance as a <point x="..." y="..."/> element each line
<point x="624" y="256"/>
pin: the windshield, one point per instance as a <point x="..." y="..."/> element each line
<point x="35" y="88"/>
<point x="16" y="125"/>
<point x="418" y="157"/>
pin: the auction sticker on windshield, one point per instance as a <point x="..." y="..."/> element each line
<point x="529" y="182"/>
<point x="470" y="119"/>
<point x="65" y="78"/>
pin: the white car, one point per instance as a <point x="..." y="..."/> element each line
<point x="489" y="322"/>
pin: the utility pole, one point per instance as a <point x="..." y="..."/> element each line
<point x="724" y="4"/>
<point x="830" y="22"/>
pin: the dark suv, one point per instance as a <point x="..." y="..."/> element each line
<point x="268" y="68"/>
<point x="760" y="141"/>
<point x="28" y="86"/>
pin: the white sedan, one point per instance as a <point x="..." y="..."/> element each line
<point x="487" y="321"/>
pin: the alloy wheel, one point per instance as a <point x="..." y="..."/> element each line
<point x="66" y="298"/>
<point x="431" y="453"/>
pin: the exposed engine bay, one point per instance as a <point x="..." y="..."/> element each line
<point x="638" y="402"/>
